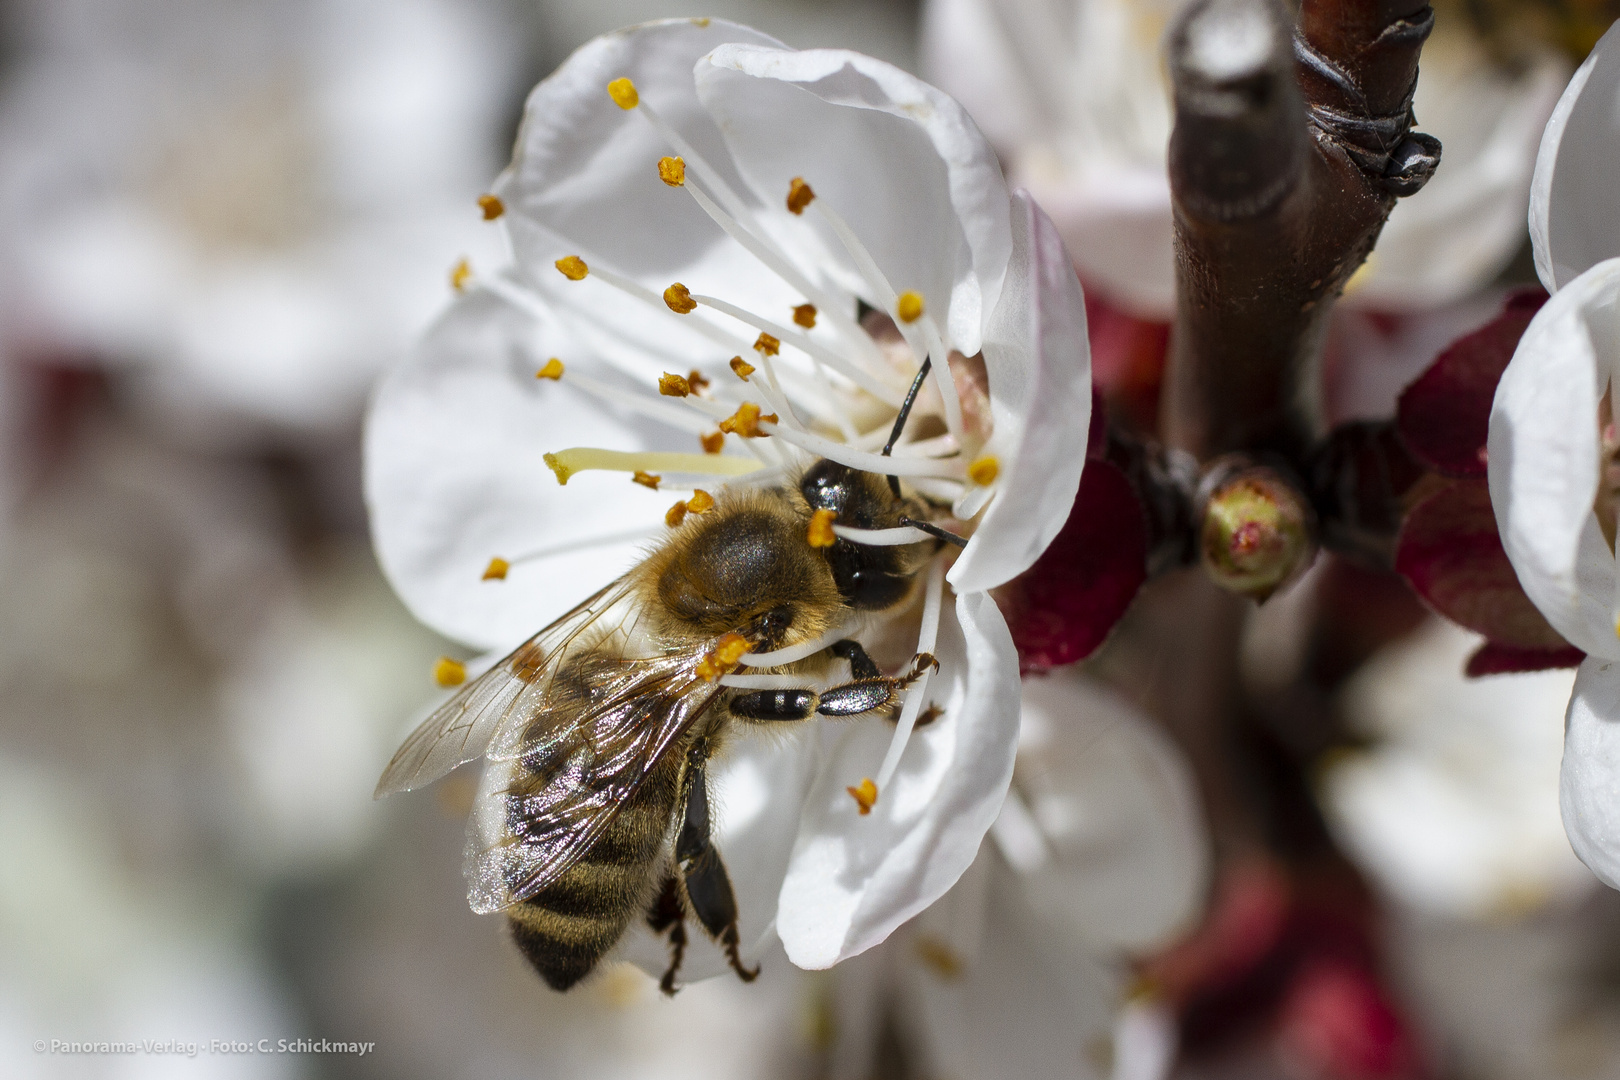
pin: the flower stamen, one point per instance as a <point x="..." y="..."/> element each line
<point x="672" y="171"/>
<point x="491" y="206"/>
<point x="496" y="570"/>
<point x="448" y="672"/>
<point x="565" y="463"/>
<point x="918" y="693"/>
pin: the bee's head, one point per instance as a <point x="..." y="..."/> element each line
<point x="869" y="578"/>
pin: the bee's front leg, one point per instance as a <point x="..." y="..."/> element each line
<point x="863" y="694"/>
<point x="708" y="887"/>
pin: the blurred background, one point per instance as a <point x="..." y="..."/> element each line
<point x="220" y="222"/>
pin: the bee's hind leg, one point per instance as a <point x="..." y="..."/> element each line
<point x="708" y="887"/>
<point x="666" y="914"/>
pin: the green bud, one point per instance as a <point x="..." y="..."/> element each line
<point x="1257" y="532"/>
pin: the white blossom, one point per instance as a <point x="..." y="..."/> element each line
<point x="1551" y="449"/>
<point x="907" y="199"/>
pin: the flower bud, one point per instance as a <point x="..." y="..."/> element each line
<point x="1257" y="531"/>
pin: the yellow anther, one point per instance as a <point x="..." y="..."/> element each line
<point x="696" y="380"/>
<point x="623" y="93"/>
<point x="673" y="385"/>
<point x="492" y="206"/>
<point x="984" y="471"/>
<point x="572" y="267"/>
<point x="713" y="442"/>
<point x="805" y="315"/>
<point x="646" y="479"/>
<point x="675" y="515"/>
<point x="909" y="307"/>
<point x="730" y="649"/>
<point x="448" y="672"/>
<point x="496" y="570"/>
<point x="460" y="274"/>
<point x="701" y="501"/>
<point x="701" y="21"/>
<point x="679" y="299"/>
<point x="746" y="420"/>
<point x="939" y="957"/>
<point x="672" y="171"/>
<point x="799" y="195"/>
<point x="821" y="528"/>
<point x="865" y="795"/>
<point x="767" y="344"/>
<point x="741" y="368"/>
<point x="553" y="370"/>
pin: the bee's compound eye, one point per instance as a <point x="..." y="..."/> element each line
<point x="829" y="486"/>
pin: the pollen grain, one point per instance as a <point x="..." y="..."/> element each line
<point x="448" y="672"/>
<point x="679" y="299"/>
<point x="909" y="307"/>
<point x="984" y="471"/>
<point x="821" y="528"/>
<point x="730" y="649"/>
<point x="865" y="795"/>
<point x="623" y="93"/>
<point x="799" y="195"/>
<point x="672" y="171"/>
<point x="460" y="274"/>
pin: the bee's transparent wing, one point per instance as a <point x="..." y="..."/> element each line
<point x="547" y="799"/>
<point x="505" y="696"/>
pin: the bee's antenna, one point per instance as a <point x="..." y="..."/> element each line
<point x="935" y="531"/>
<point x="900" y="420"/>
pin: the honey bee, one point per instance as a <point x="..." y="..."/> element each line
<point x="598" y="730"/>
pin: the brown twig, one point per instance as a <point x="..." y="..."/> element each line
<point x="1288" y="153"/>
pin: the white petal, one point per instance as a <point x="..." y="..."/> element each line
<point x="584" y="177"/>
<point x="1452" y="808"/>
<point x="455" y="476"/>
<point x="1039" y="365"/>
<point x="1453" y="237"/>
<point x="1573" y="224"/>
<point x="898" y="160"/>
<point x="1589" y="783"/>
<point x="853" y="879"/>
<point x="1128" y="858"/>
<point x="1543" y="453"/>
<point x="1030" y="1003"/>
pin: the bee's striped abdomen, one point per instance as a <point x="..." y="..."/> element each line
<point x="568" y="926"/>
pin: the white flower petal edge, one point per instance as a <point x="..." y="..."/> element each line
<point x="1589" y="782"/>
<point x="1038" y="360"/>
<point x="1573" y="223"/>
<point x="854" y="879"/>
<point x="1543" y="453"/>
<point x="782" y="113"/>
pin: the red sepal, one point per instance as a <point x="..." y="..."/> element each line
<point x="1444" y="415"/>
<point x="1061" y="608"/>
